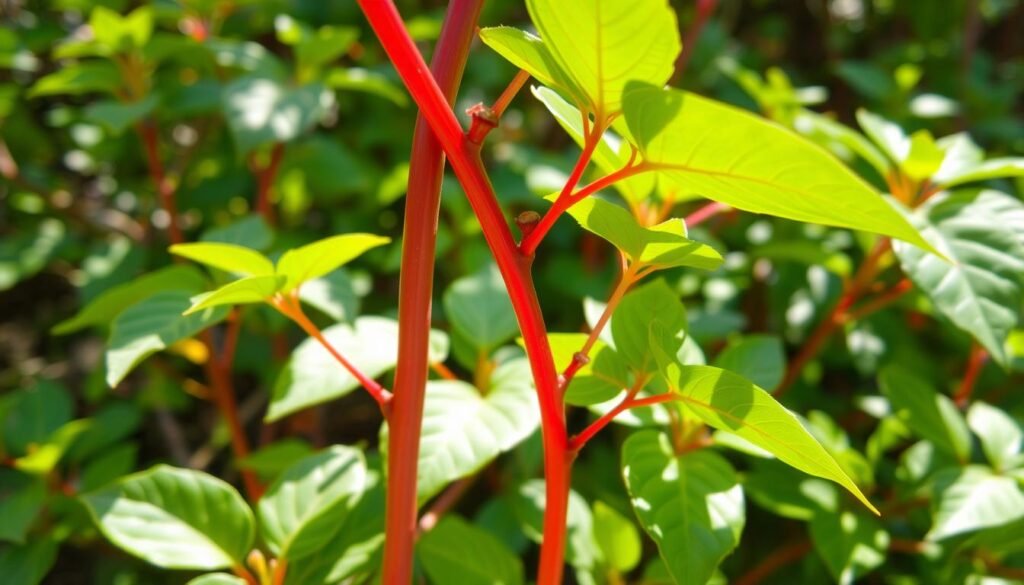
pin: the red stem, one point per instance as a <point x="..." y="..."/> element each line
<point x="630" y="401"/>
<point x="789" y="553"/>
<point x="422" y="206"/>
<point x="975" y="364"/>
<point x="705" y="213"/>
<point x="705" y="8"/>
<point x="514" y="268"/>
<point x="165" y="191"/>
<point x="265" y="183"/>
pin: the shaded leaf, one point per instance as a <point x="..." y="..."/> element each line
<point x="455" y="551"/>
<point x="930" y="415"/>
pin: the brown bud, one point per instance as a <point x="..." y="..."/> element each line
<point x="527" y="221"/>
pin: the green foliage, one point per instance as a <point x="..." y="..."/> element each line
<point x="456" y="551"/>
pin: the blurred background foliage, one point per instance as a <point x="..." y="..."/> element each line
<point x="295" y="99"/>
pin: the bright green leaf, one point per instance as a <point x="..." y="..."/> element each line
<point x="649" y="311"/>
<point x="690" y="504"/>
<point x="991" y="169"/>
<point x="925" y="157"/>
<point x="527" y="52"/>
<point x="175" y="518"/>
<point x="227" y="257"/>
<point x="252" y="289"/>
<point x="602" y="46"/>
<point x="735" y="158"/>
<point x="78" y="79"/>
<point x="324" y="256"/>
<point x="359" y="79"/>
<point x="729" y="402"/>
<point x="888" y="136"/>
<point x="1002" y="438"/>
<point x="217" y="579"/>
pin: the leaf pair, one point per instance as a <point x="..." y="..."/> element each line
<point x="261" y="278"/>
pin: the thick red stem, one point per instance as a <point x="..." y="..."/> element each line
<point x="419" y="242"/>
<point x="514" y="267"/>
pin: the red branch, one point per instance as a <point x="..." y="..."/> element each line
<point x="975" y="364"/>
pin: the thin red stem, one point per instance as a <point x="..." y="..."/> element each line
<point x="838" y="315"/>
<point x="788" y="554"/>
<point x="883" y="300"/>
<point x="506" y="97"/>
<point x="975" y="364"/>
<point x="165" y="191"/>
<point x="291" y="309"/>
<point x="705" y="213"/>
<point x="629" y="401"/>
<point x="265" y="183"/>
<point x="419" y="242"/>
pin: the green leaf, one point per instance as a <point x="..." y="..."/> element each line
<point x="581" y="549"/>
<point x="262" y="110"/>
<point x="252" y="289"/>
<point x="324" y="256"/>
<point x="29" y="250"/>
<point x="105" y="307"/>
<point x="731" y="403"/>
<point x="227" y="257"/>
<point x="175" y="519"/>
<point x="479" y="308"/>
<point x="527" y="52"/>
<point x="21" y="500"/>
<point x="464" y="430"/>
<point x="251" y="232"/>
<point x="690" y="504"/>
<point x="735" y="158"/>
<point x="888" y="136"/>
<point x="617" y="537"/>
<point x="991" y="169"/>
<point x="151" y="326"/>
<point x="786" y="492"/>
<point x="611" y="154"/>
<point x="43" y="458"/>
<point x="1002" y="438"/>
<point x="924" y="158"/>
<point x="602" y="46"/>
<point x="119" y="34"/>
<point x="301" y="511"/>
<point x="333" y="295"/>
<point x="455" y="551"/>
<point x="29" y="563"/>
<point x="271" y="460"/>
<point x="852" y="545"/>
<point x="78" y="79"/>
<point x="930" y="415"/>
<point x="758" y="358"/>
<point x="662" y="246"/>
<point x="364" y="80"/>
<point x="354" y="546"/>
<point x="834" y="136"/>
<point x="980" y="291"/>
<point x="35" y="414"/>
<point x="604" y="378"/>
<point x="217" y="579"/>
<point x="116" y="117"/>
<point x="648" y="314"/>
<point x="970" y="498"/>
<point x="312" y="375"/>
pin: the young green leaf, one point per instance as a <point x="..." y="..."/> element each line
<point x="151" y="326"/>
<point x="690" y="504"/>
<point x="924" y="158"/>
<point x="78" y="79"/>
<point x="888" y="136"/>
<point x="302" y="510"/>
<point x="528" y="52"/>
<point x="248" y="290"/>
<point x="991" y="169"/>
<point x="733" y="157"/>
<point x="931" y="415"/>
<point x="105" y="307"/>
<point x="191" y="520"/>
<point x="455" y="551"/>
<point x="662" y="246"/>
<point x="830" y="133"/>
<point x="982" y="289"/>
<point x="731" y="403"/>
<point x="604" y="45"/>
<point x="324" y="256"/>
<point x="604" y="378"/>
<point x="227" y="257"/>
